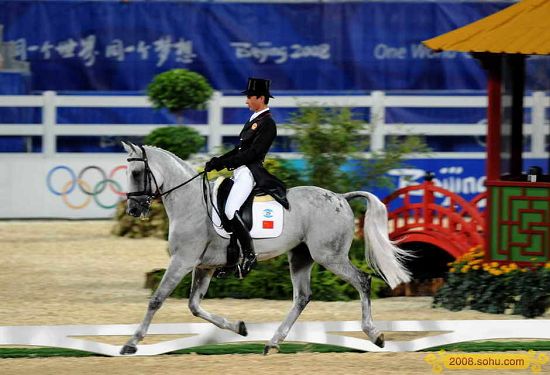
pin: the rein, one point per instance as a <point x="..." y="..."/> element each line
<point x="205" y="194"/>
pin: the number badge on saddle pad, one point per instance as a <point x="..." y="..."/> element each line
<point x="266" y="215"/>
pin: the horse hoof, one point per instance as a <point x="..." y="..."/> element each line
<point x="270" y="349"/>
<point x="128" y="349"/>
<point x="380" y="341"/>
<point x="242" y="329"/>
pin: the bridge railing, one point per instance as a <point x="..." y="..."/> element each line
<point x="378" y="102"/>
<point x="456" y="226"/>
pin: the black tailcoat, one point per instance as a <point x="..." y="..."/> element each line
<point x="254" y="142"/>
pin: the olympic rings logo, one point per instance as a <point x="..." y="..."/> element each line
<point x="92" y="183"/>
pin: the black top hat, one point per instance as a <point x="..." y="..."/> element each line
<point x="258" y="87"/>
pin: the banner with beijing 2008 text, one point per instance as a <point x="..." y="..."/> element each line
<point x="82" y="45"/>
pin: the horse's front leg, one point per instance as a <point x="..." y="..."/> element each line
<point x="176" y="270"/>
<point x="199" y="287"/>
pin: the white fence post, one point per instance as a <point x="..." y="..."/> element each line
<point x="49" y="119"/>
<point x="377" y="120"/>
<point x="215" y="118"/>
<point x="538" y="123"/>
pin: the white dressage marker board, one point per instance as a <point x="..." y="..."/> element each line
<point x="452" y="331"/>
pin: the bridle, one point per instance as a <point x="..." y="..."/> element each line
<point x="148" y="180"/>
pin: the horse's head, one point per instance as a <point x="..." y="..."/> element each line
<point x="143" y="186"/>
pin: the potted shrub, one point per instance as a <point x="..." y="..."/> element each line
<point x="178" y="90"/>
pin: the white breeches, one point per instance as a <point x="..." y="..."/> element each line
<point x="243" y="183"/>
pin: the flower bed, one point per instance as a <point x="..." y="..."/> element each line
<point x="495" y="288"/>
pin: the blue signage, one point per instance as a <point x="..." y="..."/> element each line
<point x="108" y="45"/>
<point x="465" y="177"/>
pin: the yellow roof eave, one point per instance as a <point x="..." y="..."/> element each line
<point x="522" y="28"/>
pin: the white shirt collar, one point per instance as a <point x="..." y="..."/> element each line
<point x="256" y="114"/>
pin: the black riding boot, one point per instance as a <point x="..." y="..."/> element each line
<point x="233" y="254"/>
<point x="247" y="247"/>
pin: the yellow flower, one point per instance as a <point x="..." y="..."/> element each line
<point x="452" y="269"/>
<point x="496" y="272"/>
<point x="494" y="264"/>
<point x="475" y="267"/>
<point x="474" y="253"/>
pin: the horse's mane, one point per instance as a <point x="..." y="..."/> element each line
<point x="181" y="162"/>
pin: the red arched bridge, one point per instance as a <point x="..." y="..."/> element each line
<point x="455" y="225"/>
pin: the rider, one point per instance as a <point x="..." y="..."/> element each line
<point x="246" y="162"/>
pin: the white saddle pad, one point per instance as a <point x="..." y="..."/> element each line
<point x="267" y="216"/>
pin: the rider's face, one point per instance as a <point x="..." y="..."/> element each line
<point x="255" y="103"/>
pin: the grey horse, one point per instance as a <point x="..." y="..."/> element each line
<point x="318" y="227"/>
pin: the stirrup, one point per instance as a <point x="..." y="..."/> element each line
<point x="247" y="263"/>
<point x="225" y="272"/>
<point x="239" y="271"/>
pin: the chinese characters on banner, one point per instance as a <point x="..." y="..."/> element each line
<point x="87" y="50"/>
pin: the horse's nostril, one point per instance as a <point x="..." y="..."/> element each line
<point x="132" y="211"/>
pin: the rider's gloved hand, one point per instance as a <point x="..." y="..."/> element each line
<point x="212" y="164"/>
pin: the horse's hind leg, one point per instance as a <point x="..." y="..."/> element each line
<point x="362" y="282"/>
<point x="300" y="262"/>
<point x="201" y="281"/>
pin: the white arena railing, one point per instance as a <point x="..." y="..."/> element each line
<point x="80" y="337"/>
<point x="215" y="130"/>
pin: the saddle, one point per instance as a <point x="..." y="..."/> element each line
<point x="262" y="213"/>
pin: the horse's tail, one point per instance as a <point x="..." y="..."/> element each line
<point x="381" y="253"/>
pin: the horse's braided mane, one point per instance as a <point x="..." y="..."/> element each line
<point x="176" y="157"/>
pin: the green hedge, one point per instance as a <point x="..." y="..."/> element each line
<point x="271" y="280"/>
<point x="495" y="288"/>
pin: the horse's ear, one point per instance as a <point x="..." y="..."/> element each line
<point x="128" y="147"/>
<point x="137" y="149"/>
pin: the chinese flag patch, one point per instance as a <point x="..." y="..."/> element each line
<point x="267" y="224"/>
